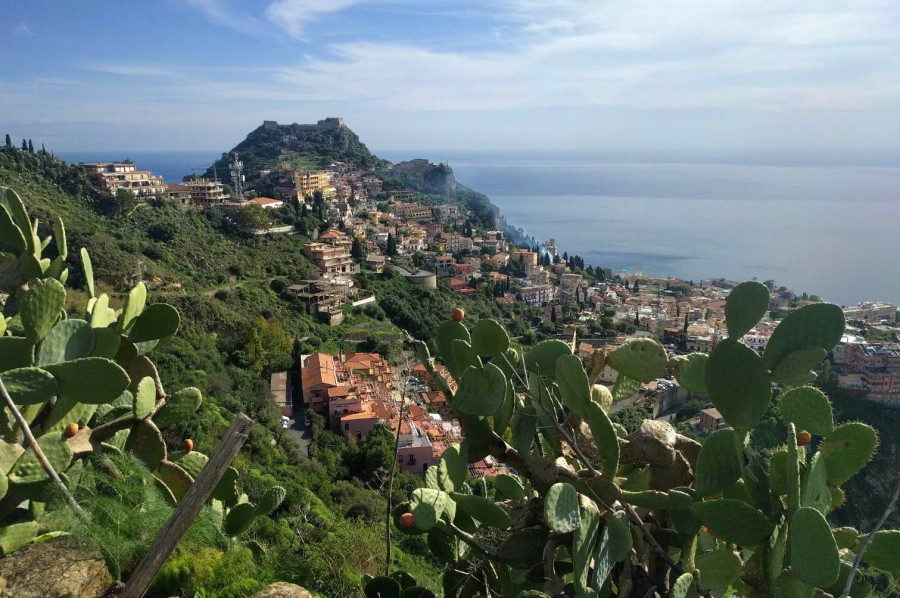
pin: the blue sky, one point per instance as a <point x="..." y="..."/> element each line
<point x="434" y="74"/>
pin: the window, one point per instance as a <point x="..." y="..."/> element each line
<point x="359" y="435"/>
<point x="346" y="426"/>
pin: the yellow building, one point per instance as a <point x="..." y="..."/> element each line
<point x="125" y="175"/>
<point x="310" y="181"/>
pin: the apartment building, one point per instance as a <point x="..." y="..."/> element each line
<point x="307" y="182"/>
<point x="125" y="175"/>
<point x="871" y="312"/>
<point x="454" y="243"/>
<point x="330" y="259"/>
<point x="178" y="194"/>
<point x="537" y="295"/>
<point x="205" y="192"/>
<point x="571" y="289"/>
<point x="529" y="258"/>
<point x="412" y="211"/>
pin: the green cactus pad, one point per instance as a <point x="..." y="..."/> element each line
<point x="399" y="510"/>
<point x="624" y="388"/>
<point x="226" y="490"/>
<point x="504" y="414"/>
<point x="29" y="386"/>
<point x="808" y="409"/>
<point x="524" y="427"/>
<point x="156" y="322"/>
<point x="176" y="479"/>
<point x="442" y="545"/>
<point x="463" y="356"/>
<point x="144" y="398"/>
<point x="772" y="553"/>
<point x="583" y="546"/>
<point x="884" y="551"/>
<point x="489" y="338"/>
<point x="509" y="486"/>
<point x="446" y="334"/>
<point x="541" y="359"/>
<point x="796" y="367"/>
<point x="193" y="462"/>
<point x="453" y="467"/>
<point x="525" y="548"/>
<point x="787" y="586"/>
<point x="102" y="315"/>
<point x="382" y="587"/>
<point x="15" y="352"/>
<point x="270" y="500"/>
<point x="814" y="553"/>
<point x="40" y="307"/>
<point x="66" y="341"/>
<point x="17" y="536"/>
<point x="848" y="537"/>
<point x="428" y="505"/>
<point x="107" y="412"/>
<point x="744" y="306"/>
<point x="618" y="535"/>
<point x="717" y="466"/>
<point x="792" y="470"/>
<point x="417" y="592"/>
<point x="481" y="509"/>
<point x="11" y="237"/>
<point x="561" y="510"/>
<point x="106" y="343"/>
<point x="690" y="371"/>
<point x="481" y="391"/>
<point x="178" y="407"/>
<point x="738" y="384"/>
<point x="718" y="570"/>
<point x="847" y="450"/>
<point x="431" y="479"/>
<point x="605" y="438"/>
<point x="656" y="499"/>
<point x="134" y="305"/>
<point x="858" y="588"/>
<point x="733" y="521"/>
<point x="10" y="200"/>
<point x="239" y="519"/>
<point x="28" y="471"/>
<point x="682" y="586"/>
<point x="88" y="271"/>
<point x="59" y="235"/>
<point x="602" y="396"/>
<point x="641" y="359"/>
<point x="92" y="380"/>
<point x="816" y="325"/>
<point x="10" y="452"/>
<point x="574" y="388"/>
<point x="814" y="490"/>
<point x="146" y="443"/>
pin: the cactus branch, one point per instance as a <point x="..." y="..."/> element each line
<point x="39" y="453"/>
<point x="868" y="540"/>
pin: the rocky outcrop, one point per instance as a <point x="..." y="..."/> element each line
<point x="283" y="589"/>
<point x="54" y="569"/>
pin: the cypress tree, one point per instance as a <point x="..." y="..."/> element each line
<point x="30" y="147"/>
<point x="24" y="145"/>
<point x="8" y="141"/>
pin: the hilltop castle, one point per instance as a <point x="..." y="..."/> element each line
<point x="328" y="124"/>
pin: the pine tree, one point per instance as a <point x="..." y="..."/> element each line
<point x="391" y="248"/>
<point x="637" y="320"/>
<point x="8" y="141"/>
<point x="24" y="145"/>
<point x="685" y="323"/>
<point x="636" y="288"/>
<point x="30" y="147"/>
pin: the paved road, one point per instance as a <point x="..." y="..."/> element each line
<point x="303" y="435"/>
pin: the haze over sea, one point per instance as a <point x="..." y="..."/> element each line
<point x="826" y="224"/>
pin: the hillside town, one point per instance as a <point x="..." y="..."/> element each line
<point x="375" y="224"/>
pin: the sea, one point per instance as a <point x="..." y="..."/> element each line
<point x="820" y="223"/>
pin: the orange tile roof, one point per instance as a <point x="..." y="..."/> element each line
<point x="264" y="201"/>
<point x="318" y="370"/>
<point x="332" y="234"/>
<point x="337" y="392"/>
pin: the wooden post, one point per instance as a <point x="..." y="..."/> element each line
<point x="187" y="508"/>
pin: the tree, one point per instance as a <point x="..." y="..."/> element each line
<point x="8" y="141"/>
<point x="358" y="249"/>
<point x="24" y="145"/>
<point x="252" y="217"/>
<point x="268" y="346"/>
<point x="30" y="147"/>
<point x="636" y="287"/>
<point x="685" y="323"/>
<point x="391" y="247"/>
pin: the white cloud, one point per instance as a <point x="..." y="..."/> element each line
<point x="294" y="15"/>
<point x="220" y="13"/>
<point x="135" y="70"/>
<point x="24" y="30"/>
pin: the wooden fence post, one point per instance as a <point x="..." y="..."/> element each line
<point x="187" y="508"/>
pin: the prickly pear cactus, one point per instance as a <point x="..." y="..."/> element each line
<point x="651" y="508"/>
<point x="83" y="383"/>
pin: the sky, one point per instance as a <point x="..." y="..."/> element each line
<point x="455" y="74"/>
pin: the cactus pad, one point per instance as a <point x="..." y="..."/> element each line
<point x="690" y="371"/>
<point x="145" y="398"/>
<point x="847" y="450"/>
<point x="682" y="586"/>
<point x="239" y="519"/>
<point x="574" y="388"/>
<point x="102" y="315"/>
<point x="792" y="470"/>
<point x="744" y="306"/>
<point x="40" y="307"/>
<point x="15" y="352"/>
<point x="446" y="334"/>
<point x="718" y="570"/>
<point x="814" y="553"/>
<point x="673" y="500"/>
<point x="733" y="521"/>
<point x="541" y="358"/>
<point x="226" y="490"/>
<point x="106" y="343"/>
<point x="816" y="325"/>
<point x="489" y="338"/>
<point x="270" y="500"/>
<point x="463" y="356"/>
<point x="796" y="367"/>
<point x="624" y="387"/>
<point x="134" y="305"/>
<point x="11" y="237"/>
<point x="884" y="551"/>
<point x="453" y="467"/>
<point x="509" y="486"/>
<point x="738" y="384"/>
<point x="481" y="509"/>
<point x="156" y="322"/>
<point x="814" y="490"/>
<point x="175" y="478"/>
<point x="16" y="536"/>
<point x="92" y="380"/>
<point x="382" y="587"/>
<point x="67" y="340"/>
<point x="583" y="545"/>
<point x="428" y="505"/>
<point x="561" y="510"/>
<point x="605" y="438"/>
<point x="808" y="409"/>
<point x="88" y="269"/>
<point x="525" y="548"/>
<point x="717" y="466"/>
<point x="178" y="407"/>
<point x="28" y="471"/>
<point x="193" y="462"/>
<point x="29" y="386"/>
<point x="640" y="359"/>
<point x="602" y="396"/>
<point x="481" y="391"/>
<point x="146" y="443"/>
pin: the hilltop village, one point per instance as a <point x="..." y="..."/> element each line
<point x="406" y="220"/>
